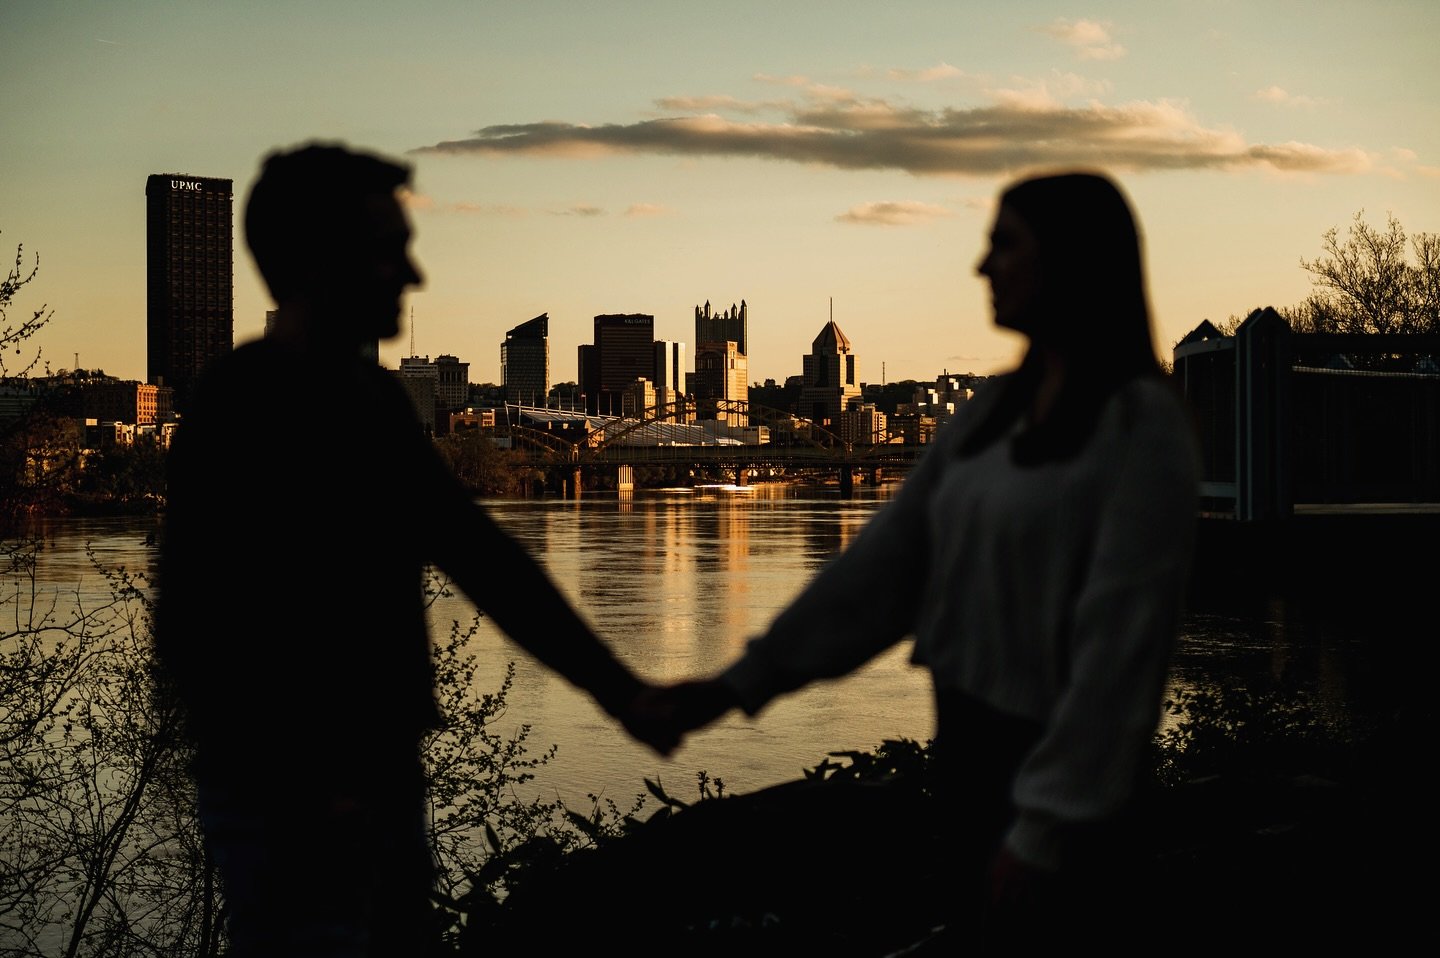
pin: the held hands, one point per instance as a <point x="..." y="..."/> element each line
<point x="660" y="716"/>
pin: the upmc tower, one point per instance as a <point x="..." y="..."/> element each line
<point x="190" y="278"/>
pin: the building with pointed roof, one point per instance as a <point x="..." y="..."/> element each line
<point x="831" y="380"/>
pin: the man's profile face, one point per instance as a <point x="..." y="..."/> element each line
<point x="373" y="269"/>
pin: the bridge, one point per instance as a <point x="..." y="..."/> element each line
<point x="734" y="439"/>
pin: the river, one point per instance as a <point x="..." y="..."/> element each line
<point x="677" y="580"/>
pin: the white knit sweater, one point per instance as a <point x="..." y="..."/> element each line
<point x="1050" y="592"/>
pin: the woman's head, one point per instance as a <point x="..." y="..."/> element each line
<point x="1065" y="270"/>
<point x="1065" y="266"/>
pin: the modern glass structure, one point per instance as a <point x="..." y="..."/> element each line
<point x="525" y="362"/>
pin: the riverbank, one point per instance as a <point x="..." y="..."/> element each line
<point x="846" y="866"/>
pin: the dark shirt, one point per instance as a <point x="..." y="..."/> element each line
<point x="304" y="505"/>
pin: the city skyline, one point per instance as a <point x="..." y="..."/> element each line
<point x="648" y="158"/>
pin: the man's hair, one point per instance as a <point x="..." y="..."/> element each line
<point x="302" y="206"/>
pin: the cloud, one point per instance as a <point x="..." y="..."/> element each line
<point x="941" y="71"/>
<point x="1281" y="97"/>
<point x="1408" y="159"/>
<point x="582" y="209"/>
<point x="647" y="209"/>
<point x="421" y="202"/>
<point x="1090" y="40"/>
<point x="485" y="209"/>
<point x="893" y="213"/>
<point x="1047" y="91"/>
<point x="704" y="104"/>
<point x="875" y="134"/>
<point x="793" y="80"/>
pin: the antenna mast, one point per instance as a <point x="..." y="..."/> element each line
<point x="412" y="330"/>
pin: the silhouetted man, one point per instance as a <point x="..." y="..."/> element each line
<point x="304" y="505"/>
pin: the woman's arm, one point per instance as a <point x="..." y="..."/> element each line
<point x="867" y="598"/>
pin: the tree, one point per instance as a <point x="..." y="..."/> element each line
<point x="25" y="476"/>
<point x="100" y="847"/>
<point x="125" y="475"/>
<point x="1367" y="283"/>
<point x="13" y="334"/>
<point x="484" y="468"/>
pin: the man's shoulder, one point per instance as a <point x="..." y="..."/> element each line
<point x="244" y="362"/>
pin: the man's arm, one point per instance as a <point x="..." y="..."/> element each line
<point x="514" y="590"/>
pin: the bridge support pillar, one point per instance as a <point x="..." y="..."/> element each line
<point x="847" y="482"/>
<point x="872" y="478"/>
<point x="572" y="488"/>
<point x="742" y="475"/>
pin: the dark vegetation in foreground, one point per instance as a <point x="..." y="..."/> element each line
<point x="1266" y="819"/>
<point x="1261" y="823"/>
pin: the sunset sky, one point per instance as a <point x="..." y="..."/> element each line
<point x="646" y="157"/>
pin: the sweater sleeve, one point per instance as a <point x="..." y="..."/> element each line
<point x="864" y="601"/>
<point x="1087" y="762"/>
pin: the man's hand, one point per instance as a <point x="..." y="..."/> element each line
<point x="649" y="718"/>
<point x="660" y="716"/>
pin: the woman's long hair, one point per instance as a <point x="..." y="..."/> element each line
<point x="1091" y="309"/>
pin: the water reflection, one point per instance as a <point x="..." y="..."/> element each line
<point x="678" y="581"/>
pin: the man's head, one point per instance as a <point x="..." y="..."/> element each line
<point x="328" y="234"/>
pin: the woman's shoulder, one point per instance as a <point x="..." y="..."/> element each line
<point x="1155" y="396"/>
<point x="1153" y="411"/>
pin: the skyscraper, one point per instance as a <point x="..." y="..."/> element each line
<point x="525" y="362"/>
<point x="670" y="378"/>
<point x="732" y="325"/>
<point x="190" y="278"/>
<point x="831" y="382"/>
<point x="624" y="352"/>
<point x="721" y="374"/>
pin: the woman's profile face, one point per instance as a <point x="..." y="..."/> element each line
<point x="1012" y="264"/>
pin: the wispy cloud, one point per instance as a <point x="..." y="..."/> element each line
<point x="1051" y="90"/>
<point x="1090" y="40"/>
<point x="1281" y="97"/>
<point x="486" y="209"/>
<point x="893" y="213"/>
<point x="647" y="209"/>
<point x="941" y="71"/>
<point x="716" y="103"/>
<point x="422" y="202"/>
<point x="583" y="209"/>
<point x="1407" y="159"/>
<point x="872" y="134"/>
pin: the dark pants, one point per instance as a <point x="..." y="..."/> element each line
<point x="977" y="752"/>
<point x="322" y="868"/>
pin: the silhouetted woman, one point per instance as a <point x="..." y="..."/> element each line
<point x="1038" y="555"/>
